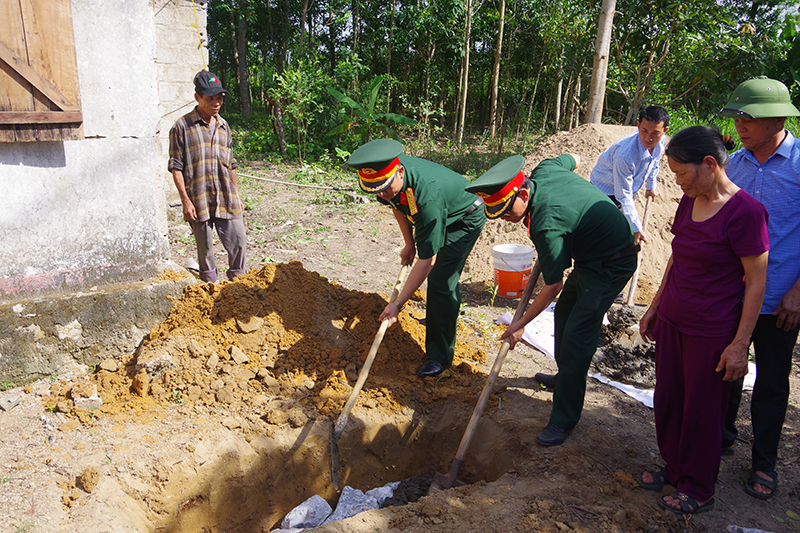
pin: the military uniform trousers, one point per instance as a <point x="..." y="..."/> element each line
<point x="444" y="296"/>
<point x="587" y="294"/>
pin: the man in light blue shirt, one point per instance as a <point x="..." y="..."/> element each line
<point x="768" y="167"/>
<point x="632" y="162"/>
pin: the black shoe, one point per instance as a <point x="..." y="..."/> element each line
<point x="431" y="369"/>
<point x="548" y="380"/>
<point x="727" y="450"/>
<point x="552" y="436"/>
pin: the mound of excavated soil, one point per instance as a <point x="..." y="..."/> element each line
<point x="589" y="141"/>
<point x="281" y="338"/>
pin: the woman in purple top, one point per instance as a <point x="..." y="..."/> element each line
<point x="702" y="316"/>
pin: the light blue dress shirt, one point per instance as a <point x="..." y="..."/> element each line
<point x="622" y="170"/>
<point x="776" y="184"/>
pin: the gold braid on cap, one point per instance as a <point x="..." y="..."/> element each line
<point x="509" y="190"/>
<point x="370" y="176"/>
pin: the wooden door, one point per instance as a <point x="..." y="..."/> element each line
<point x="39" y="90"/>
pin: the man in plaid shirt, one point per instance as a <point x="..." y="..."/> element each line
<point x="204" y="170"/>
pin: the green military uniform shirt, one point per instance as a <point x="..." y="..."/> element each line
<point x="571" y="219"/>
<point x="432" y="199"/>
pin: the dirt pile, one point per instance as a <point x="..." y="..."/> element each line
<point x="281" y="341"/>
<point x="621" y="355"/>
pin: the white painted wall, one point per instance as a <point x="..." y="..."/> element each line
<point x="77" y="213"/>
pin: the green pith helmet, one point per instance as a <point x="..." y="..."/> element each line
<point x="376" y="163"/>
<point x="760" y="97"/>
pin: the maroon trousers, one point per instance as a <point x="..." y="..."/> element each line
<point x="690" y="403"/>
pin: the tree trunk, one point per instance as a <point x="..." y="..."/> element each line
<point x="575" y="101"/>
<point x="243" y="70"/>
<point x="235" y="43"/>
<point x="498" y="50"/>
<point x="533" y="97"/>
<point x="463" y="111"/>
<point x="389" y="60"/>
<point x="557" y="105"/>
<point x="457" y="106"/>
<point x="302" y="28"/>
<point x="567" y="111"/>
<point x="597" y="88"/>
<point x="545" y="112"/>
<point x="355" y="21"/>
<point x="428" y="72"/>
<point x="332" y="41"/>
<point x="279" y="127"/>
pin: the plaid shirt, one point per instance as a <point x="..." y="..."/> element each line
<point x="206" y="160"/>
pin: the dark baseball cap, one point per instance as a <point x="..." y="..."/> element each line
<point x="208" y="83"/>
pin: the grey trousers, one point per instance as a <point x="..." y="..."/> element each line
<point x="231" y="235"/>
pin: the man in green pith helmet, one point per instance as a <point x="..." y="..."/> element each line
<point x="768" y="168"/>
<point x="439" y="222"/>
<point x="568" y="219"/>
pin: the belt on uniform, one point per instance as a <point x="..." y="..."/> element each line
<point x="475" y="205"/>
<point x="633" y="249"/>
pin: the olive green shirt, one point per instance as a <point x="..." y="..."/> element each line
<point x="570" y="219"/>
<point x="433" y="198"/>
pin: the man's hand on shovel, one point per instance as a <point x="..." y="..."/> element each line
<point x="390" y="313"/>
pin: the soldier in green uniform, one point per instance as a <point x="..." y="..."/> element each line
<point x="440" y="223"/>
<point x="571" y="223"/>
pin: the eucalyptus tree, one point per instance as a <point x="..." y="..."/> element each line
<point x="597" y="90"/>
<point x="498" y="54"/>
<point x="688" y="52"/>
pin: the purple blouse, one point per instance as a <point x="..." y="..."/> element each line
<point x="705" y="286"/>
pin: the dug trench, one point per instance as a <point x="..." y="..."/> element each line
<point x="278" y="352"/>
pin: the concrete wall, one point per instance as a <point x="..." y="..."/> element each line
<point x="180" y="54"/>
<point x="80" y="213"/>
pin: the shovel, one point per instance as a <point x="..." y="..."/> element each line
<point x="338" y="427"/>
<point x="441" y="481"/>
<point x="635" y="278"/>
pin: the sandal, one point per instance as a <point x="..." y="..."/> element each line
<point x="688" y="505"/>
<point x="764" y="482"/>
<point x="659" y="479"/>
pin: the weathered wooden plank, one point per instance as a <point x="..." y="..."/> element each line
<point x="31" y="76"/>
<point x="7" y="134"/>
<point x="36" y="117"/>
<point x="38" y="72"/>
<point x="50" y="45"/>
<point x="15" y="93"/>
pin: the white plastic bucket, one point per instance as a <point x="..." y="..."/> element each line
<point x="512" y="268"/>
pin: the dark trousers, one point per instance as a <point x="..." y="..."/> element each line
<point x="773" y="347"/>
<point x="587" y="294"/>
<point x="689" y="406"/>
<point x="233" y="238"/>
<point x="444" y="296"/>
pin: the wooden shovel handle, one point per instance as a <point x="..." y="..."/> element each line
<point x="635" y="277"/>
<point x="487" y="389"/>
<point x="362" y="376"/>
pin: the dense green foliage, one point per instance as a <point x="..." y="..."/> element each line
<point x="332" y="73"/>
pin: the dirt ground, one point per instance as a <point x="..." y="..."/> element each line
<point x="220" y="421"/>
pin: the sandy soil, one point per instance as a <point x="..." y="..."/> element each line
<point x="220" y="421"/>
